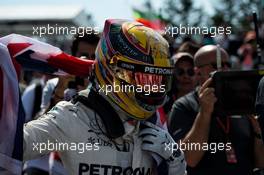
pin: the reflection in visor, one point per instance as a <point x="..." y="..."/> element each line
<point x="150" y="84"/>
<point x="149" y="89"/>
<point x="144" y="79"/>
<point x="156" y="83"/>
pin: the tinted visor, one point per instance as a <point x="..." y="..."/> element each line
<point x="150" y="84"/>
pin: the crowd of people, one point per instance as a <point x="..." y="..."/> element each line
<point x="132" y="129"/>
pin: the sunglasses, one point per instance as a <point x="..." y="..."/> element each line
<point x="214" y="65"/>
<point x="181" y="72"/>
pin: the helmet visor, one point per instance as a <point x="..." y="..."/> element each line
<point x="149" y="83"/>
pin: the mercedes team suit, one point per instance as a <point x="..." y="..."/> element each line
<point x="89" y="143"/>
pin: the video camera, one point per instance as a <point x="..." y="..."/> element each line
<point x="239" y="93"/>
<point x="236" y="92"/>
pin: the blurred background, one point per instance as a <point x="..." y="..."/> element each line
<point x="23" y="16"/>
<point x="19" y="16"/>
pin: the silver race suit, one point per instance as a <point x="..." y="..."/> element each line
<point x="78" y="134"/>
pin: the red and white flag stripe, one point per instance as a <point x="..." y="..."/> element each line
<point x="16" y="52"/>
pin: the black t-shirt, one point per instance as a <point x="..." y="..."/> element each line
<point x="260" y="105"/>
<point x="181" y="119"/>
<point x="260" y="95"/>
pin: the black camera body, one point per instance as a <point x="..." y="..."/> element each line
<point x="236" y="92"/>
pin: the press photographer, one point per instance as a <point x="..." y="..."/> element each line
<point x="260" y="108"/>
<point x="192" y="121"/>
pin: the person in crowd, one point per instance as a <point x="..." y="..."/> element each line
<point x="248" y="51"/>
<point x="183" y="81"/>
<point x="184" y="74"/>
<point x="191" y="121"/>
<point x="114" y="124"/>
<point x="53" y="92"/>
<point x="260" y="106"/>
<point x="31" y="100"/>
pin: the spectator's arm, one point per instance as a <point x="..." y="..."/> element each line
<point x="199" y="131"/>
<point x="258" y="144"/>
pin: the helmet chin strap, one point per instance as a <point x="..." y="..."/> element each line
<point x="218" y="57"/>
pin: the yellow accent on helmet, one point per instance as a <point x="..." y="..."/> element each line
<point x="126" y="51"/>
